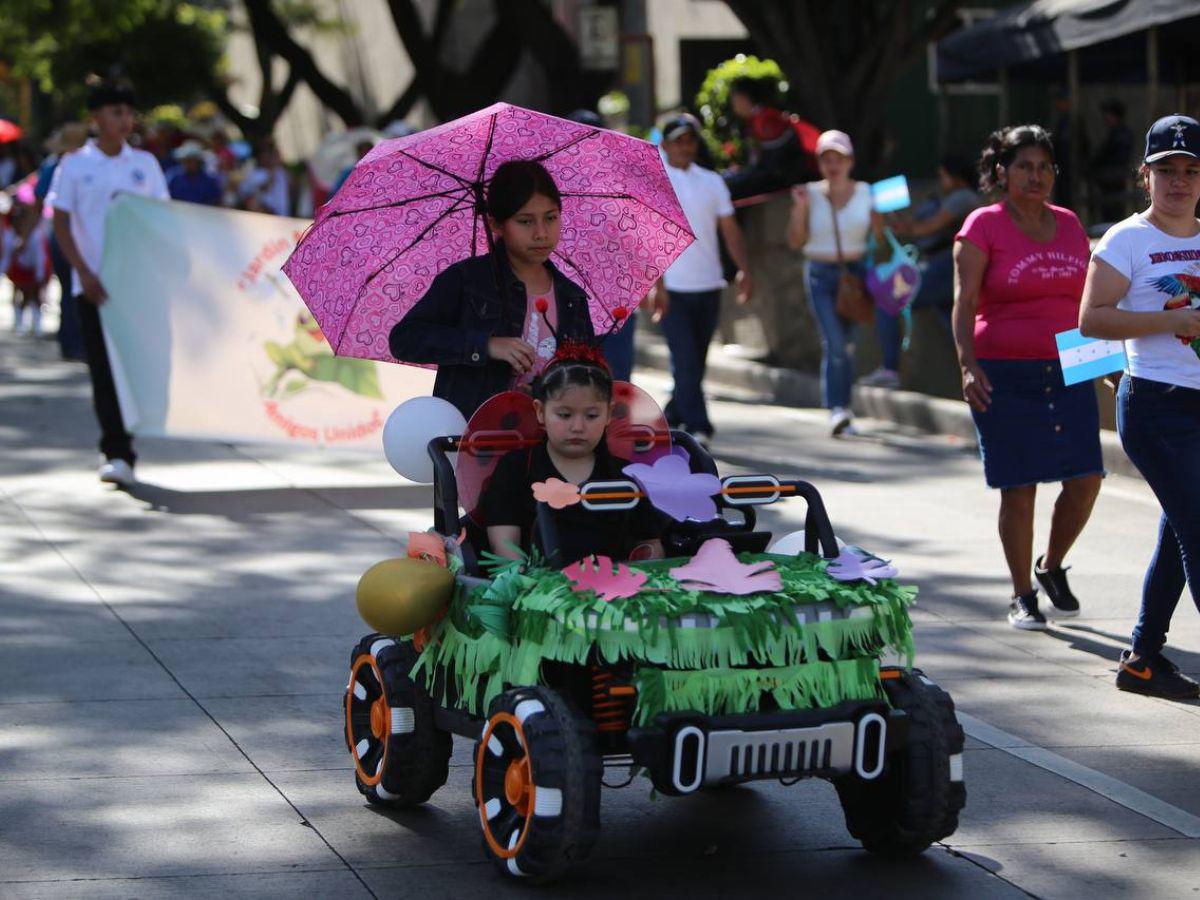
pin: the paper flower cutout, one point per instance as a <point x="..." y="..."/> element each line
<point x="715" y="569"/>
<point x="424" y="545"/>
<point x="673" y="488"/>
<point x="556" y="493"/>
<point x="596" y="574"/>
<point x="856" y="564"/>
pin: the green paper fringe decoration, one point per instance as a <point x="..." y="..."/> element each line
<point x="726" y="691"/>
<point x="499" y="634"/>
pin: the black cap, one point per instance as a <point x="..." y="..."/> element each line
<point x="674" y="127"/>
<point x="1173" y="136"/>
<point x="109" y="93"/>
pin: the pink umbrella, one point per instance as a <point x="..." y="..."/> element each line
<point x="9" y="131"/>
<point x="414" y="205"/>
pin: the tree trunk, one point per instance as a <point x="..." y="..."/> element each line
<point x="272" y="34"/>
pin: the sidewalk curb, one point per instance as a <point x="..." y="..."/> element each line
<point x="790" y="387"/>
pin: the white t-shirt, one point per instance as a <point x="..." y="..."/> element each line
<point x="1160" y="268"/>
<point x="705" y="200"/>
<point x="853" y="222"/>
<point x="539" y="335"/>
<point x="84" y="185"/>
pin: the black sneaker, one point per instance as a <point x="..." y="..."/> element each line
<point x="1055" y="583"/>
<point x="1158" y="677"/>
<point x="1023" y="613"/>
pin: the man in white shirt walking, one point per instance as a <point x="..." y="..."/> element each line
<point x="84" y="185"/>
<point x="688" y="297"/>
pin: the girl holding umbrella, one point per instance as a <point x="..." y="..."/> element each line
<point x="478" y="321"/>
<point x="437" y="247"/>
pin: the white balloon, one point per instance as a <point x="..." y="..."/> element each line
<point x="410" y="428"/>
<point x="792" y="544"/>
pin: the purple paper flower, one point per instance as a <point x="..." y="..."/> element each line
<point x="673" y="488"/>
<point x="856" y="564"/>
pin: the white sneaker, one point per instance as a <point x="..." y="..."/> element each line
<point x="881" y="377"/>
<point x="839" y="420"/>
<point x="118" y="472"/>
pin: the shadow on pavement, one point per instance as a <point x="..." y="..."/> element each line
<point x="239" y="504"/>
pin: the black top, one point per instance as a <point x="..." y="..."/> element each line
<point x="473" y="300"/>
<point x="508" y="500"/>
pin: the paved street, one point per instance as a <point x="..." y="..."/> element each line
<point x="171" y="665"/>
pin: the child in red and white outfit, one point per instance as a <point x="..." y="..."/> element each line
<point x="27" y="253"/>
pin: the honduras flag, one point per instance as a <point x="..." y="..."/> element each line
<point x="1086" y="358"/>
<point x="890" y="194"/>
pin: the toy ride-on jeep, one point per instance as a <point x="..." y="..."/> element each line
<point x="724" y="663"/>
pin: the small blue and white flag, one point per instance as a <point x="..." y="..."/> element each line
<point x="890" y="194"/>
<point x="1085" y="358"/>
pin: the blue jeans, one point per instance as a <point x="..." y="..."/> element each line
<point x="936" y="292"/>
<point x="937" y="286"/>
<point x="1160" y="430"/>
<point x="837" y="366"/>
<point x="618" y="350"/>
<point x="689" y="326"/>
<point x="887" y="330"/>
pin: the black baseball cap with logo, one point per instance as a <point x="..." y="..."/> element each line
<point x="1173" y="136"/>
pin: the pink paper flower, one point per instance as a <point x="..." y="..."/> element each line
<point x="556" y="493"/>
<point x="715" y="569"/>
<point x="596" y="574"/>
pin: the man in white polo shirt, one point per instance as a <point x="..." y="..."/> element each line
<point x="84" y="185"/>
<point x="690" y="305"/>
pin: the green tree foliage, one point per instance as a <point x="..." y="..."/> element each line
<point x="712" y="101"/>
<point x="165" y="47"/>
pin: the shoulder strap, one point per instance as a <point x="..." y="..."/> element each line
<point x="837" y="234"/>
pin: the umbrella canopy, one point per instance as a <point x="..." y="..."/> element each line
<point x="414" y="205"/>
<point x="9" y="131"/>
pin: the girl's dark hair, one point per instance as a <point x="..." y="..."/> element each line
<point x="567" y="373"/>
<point x="959" y="166"/>
<point x="514" y="183"/>
<point x="1002" y="148"/>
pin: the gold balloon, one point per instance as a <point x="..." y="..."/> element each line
<point x="400" y="596"/>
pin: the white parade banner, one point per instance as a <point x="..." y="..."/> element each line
<point x="209" y="340"/>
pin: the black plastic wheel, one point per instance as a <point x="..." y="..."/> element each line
<point x="537" y="784"/>
<point x="917" y="799"/>
<point x="400" y="756"/>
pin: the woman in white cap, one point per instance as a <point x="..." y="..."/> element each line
<point x="1143" y="287"/>
<point x="830" y="220"/>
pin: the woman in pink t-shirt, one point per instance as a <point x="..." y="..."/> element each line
<point x="1019" y="267"/>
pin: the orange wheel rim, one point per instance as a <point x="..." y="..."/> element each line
<point x="504" y="785"/>
<point x="368" y="720"/>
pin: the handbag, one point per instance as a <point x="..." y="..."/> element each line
<point x="893" y="284"/>
<point x="853" y="302"/>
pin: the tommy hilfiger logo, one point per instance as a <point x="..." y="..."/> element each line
<point x="1179" y="128"/>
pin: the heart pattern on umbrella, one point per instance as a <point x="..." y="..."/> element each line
<point x="413" y="206"/>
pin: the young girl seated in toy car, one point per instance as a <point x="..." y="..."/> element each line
<point x="573" y="402"/>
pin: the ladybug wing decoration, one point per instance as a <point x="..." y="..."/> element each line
<point x="506" y="422"/>
<point x="638" y="431"/>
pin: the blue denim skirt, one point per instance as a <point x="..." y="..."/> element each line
<point x="1037" y="429"/>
